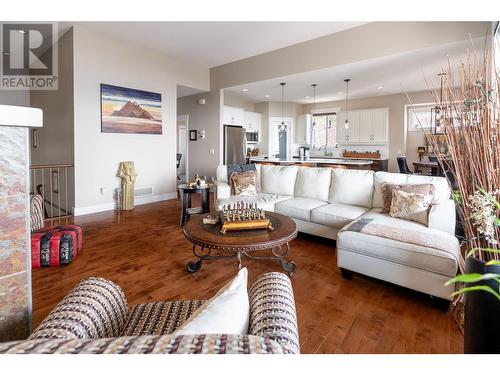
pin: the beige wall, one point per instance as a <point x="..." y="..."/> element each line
<point x="206" y="117"/>
<point x="400" y="141"/>
<point x="235" y="100"/>
<point x="364" y="42"/>
<point x="56" y="138"/>
<point x="101" y="59"/>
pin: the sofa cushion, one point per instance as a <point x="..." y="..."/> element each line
<point x="382" y="178"/>
<point x="313" y="183"/>
<point x="278" y="180"/>
<point x="410" y="206"/>
<point x="442" y="189"/>
<point x="352" y="187"/>
<point x="387" y="189"/>
<point x="336" y="215"/>
<point x="403" y="253"/>
<point x="298" y="208"/>
<point x="228" y="311"/>
<point x="264" y="201"/>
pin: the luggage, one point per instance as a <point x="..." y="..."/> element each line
<point x="53" y="246"/>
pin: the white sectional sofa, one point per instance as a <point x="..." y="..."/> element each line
<point x="324" y="201"/>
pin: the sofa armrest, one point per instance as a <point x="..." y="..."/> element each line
<point x="442" y="217"/>
<point x="166" y="344"/>
<point x="94" y="308"/>
<point x="222" y="190"/>
<point x="272" y="311"/>
<point x="36" y="212"/>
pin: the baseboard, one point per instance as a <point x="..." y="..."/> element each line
<point x="79" y="211"/>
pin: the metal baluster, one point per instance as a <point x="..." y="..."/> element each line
<point x="59" y="191"/>
<point x="66" y="188"/>
<point x="51" y="198"/>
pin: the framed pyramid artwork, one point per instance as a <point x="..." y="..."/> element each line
<point x="131" y="111"/>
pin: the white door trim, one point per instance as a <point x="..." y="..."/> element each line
<point x="185" y="119"/>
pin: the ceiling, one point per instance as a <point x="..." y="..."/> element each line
<point x="211" y="44"/>
<point x="404" y="72"/>
<point x="186" y="91"/>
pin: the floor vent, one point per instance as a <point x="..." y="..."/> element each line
<point x="141" y="192"/>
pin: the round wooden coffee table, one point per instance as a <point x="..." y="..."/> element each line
<point x="208" y="238"/>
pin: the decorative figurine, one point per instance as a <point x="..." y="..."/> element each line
<point x="126" y="172"/>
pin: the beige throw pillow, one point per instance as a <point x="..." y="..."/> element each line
<point x="410" y="206"/>
<point x="244" y="183"/>
<point x="228" y="312"/>
<point x="387" y="189"/>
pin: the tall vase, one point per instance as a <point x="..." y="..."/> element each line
<point x="482" y="313"/>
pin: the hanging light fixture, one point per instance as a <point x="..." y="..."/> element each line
<point x="438" y="110"/>
<point x="314" y="85"/>
<point x="346" y="124"/>
<point x="283" y="125"/>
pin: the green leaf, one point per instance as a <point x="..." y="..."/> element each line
<point x="476" y="288"/>
<point x="497" y="221"/>
<point x="486" y="250"/>
<point x="473" y="278"/>
<point x="493" y="262"/>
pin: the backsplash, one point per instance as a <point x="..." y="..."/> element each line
<point x="337" y="151"/>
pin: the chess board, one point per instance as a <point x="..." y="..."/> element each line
<point x="243" y="216"/>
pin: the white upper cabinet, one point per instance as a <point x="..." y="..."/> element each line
<point x="365" y="126"/>
<point x="302" y="130"/>
<point x="380" y="125"/>
<point x="252" y="121"/>
<point x="233" y="116"/>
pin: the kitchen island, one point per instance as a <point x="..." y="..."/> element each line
<point x="316" y="162"/>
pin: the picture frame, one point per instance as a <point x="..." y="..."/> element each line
<point x="193" y="135"/>
<point x="130" y="111"/>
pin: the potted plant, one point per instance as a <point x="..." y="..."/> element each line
<point x="467" y="114"/>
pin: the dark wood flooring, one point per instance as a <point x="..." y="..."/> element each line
<point x="145" y="252"/>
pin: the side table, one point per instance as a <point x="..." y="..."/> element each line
<point x="186" y="192"/>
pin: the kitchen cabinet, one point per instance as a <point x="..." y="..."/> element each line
<point x="233" y="116"/>
<point x="302" y="130"/>
<point x="351" y="134"/>
<point x="367" y="126"/>
<point x="252" y="121"/>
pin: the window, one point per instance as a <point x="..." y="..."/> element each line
<point x="419" y="116"/>
<point x="324" y="134"/>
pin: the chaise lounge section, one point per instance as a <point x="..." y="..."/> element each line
<point x="326" y="202"/>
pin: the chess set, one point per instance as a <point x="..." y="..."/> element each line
<point x="243" y="216"/>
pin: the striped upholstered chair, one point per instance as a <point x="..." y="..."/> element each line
<point x="94" y="317"/>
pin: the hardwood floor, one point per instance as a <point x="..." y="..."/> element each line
<point x="144" y="251"/>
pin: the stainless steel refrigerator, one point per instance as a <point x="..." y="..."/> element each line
<point x="235" y="145"/>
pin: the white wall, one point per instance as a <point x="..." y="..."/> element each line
<point x="206" y="117"/>
<point x="100" y="59"/>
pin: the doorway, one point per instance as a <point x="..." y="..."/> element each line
<point x="182" y="161"/>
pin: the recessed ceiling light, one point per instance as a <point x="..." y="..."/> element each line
<point x="339" y="93"/>
<point x="380" y="87"/>
<point x="268" y="96"/>
<point x="308" y="97"/>
<point x="22" y="31"/>
<point x="245" y="90"/>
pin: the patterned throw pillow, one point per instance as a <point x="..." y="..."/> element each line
<point x="410" y="206"/>
<point x="244" y="183"/>
<point x="387" y="189"/>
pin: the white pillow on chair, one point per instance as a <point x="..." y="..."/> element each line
<point x="228" y="312"/>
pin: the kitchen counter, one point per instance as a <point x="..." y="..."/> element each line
<point x="316" y="161"/>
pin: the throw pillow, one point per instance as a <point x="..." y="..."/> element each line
<point x="387" y="189"/>
<point x="244" y="183"/>
<point x="410" y="206"/>
<point x="228" y="312"/>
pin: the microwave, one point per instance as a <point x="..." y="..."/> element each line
<point x="252" y="137"/>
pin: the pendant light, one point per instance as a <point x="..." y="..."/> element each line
<point x="439" y="109"/>
<point x="314" y="85"/>
<point x="346" y="125"/>
<point x="283" y="125"/>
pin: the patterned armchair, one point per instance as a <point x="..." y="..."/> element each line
<point x="94" y="318"/>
